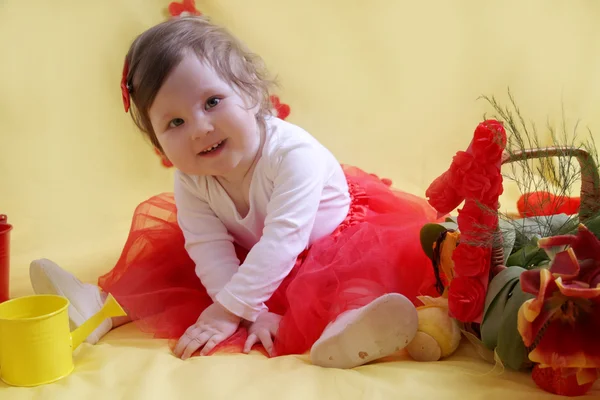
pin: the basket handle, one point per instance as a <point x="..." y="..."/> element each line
<point x="590" y="179"/>
<point x="590" y="183"/>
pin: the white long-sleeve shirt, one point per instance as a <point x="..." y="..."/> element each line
<point x="298" y="194"/>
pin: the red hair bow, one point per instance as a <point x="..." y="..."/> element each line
<point x="125" y="87"/>
<point x="185" y="8"/>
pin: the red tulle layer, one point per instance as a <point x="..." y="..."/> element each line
<point x="376" y="250"/>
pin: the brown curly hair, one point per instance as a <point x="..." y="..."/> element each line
<point x="158" y="50"/>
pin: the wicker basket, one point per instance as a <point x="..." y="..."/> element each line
<point x="590" y="183"/>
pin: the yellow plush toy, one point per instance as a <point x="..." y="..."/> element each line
<point x="438" y="335"/>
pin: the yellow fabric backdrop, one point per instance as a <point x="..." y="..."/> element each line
<point x="390" y="86"/>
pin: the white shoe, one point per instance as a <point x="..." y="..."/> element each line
<point x="85" y="299"/>
<point x="379" y="329"/>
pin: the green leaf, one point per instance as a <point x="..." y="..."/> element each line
<point x="511" y="349"/>
<point x="527" y="256"/>
<point x="499" y="282"/>
<point x="508" y="238"/>
<point x="571" y="226"/>
<point x="496" y="299"/>
<point x="531" y="228"/>
<point x="543" y="264"/>
<point x="490" y="327"/>
<point x="593" y="224"/>
<point x="431" y="232"/>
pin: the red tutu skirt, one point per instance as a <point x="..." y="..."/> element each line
<point x="376" y="250"/>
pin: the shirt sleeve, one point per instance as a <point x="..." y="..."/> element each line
<point x="207" y="240"/>
<point x="299" y="176"/>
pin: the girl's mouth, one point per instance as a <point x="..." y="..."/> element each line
<point x="212" y="149"/>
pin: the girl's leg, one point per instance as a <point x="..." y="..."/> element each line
<point x="384" y="325"/>
<point x="85" y="299"/>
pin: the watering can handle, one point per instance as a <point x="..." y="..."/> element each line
<point x="110" y="309"/>
<point x="3" y="219"/>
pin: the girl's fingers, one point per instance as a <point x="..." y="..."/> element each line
<point x="185" y="339"/>
<point x="211" y="344"/>
<point x="265" y="338"/>
<point x="195" y="343"/>
<point x="251" y="341"/>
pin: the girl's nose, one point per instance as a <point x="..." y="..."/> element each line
<point x="202" y="127"/>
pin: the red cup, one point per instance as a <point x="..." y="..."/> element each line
<point x="5" y="229"/>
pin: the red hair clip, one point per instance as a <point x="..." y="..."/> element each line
<point x="126" y="87"/>
<point x="183" y="9"/>
<point x="281" y="110"/>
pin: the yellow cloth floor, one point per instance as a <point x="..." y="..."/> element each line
<point x="388" y="85"/>
<point x="128" y="365"/>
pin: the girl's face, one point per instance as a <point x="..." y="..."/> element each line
<point x="203" y="125"/>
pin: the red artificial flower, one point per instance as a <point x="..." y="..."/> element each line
<point x="466" y="298"/>
<point x="442" y="195"/>
<point x="477" y="222"/>
<point x="568" y="205"/>
<point x="124" y="87"/>
<point x="542" y="203"/>
<point x="466" y="178"/>
<point x="473" y="174"/>
<point x="183" y="9"/>
<point x="496" y="186"/>
<point x="471" y="260"/>
<point x="563" y="320"/>
<point x="475" y="180"/>
<point x="282" y="110"/>
<point x="489" y="142"/>
<point x="462" y="163"/>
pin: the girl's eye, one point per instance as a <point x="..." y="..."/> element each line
<point x="175" y="122"/>
<point x="212" y="102"/>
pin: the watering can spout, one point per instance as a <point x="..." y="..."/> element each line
<point x="110" y="309"/>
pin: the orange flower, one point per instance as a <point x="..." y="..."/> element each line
<point x="562" y="323"/>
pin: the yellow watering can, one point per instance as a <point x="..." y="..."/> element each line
<point x="36" y="344"/>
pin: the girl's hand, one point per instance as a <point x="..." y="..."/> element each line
<point x="214" y="325"/>
<point x="264" y="329"/>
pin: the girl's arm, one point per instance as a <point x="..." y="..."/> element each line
<point x="207" y="241"/>
<point x="300" y="172"/>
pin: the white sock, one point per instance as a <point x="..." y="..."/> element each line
<point x="85" y="299"/>
<point x="379" y="329"/>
